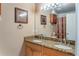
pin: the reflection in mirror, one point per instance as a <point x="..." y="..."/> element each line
<point x="60" y="23"/>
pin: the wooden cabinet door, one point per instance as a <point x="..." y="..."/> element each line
<point x="33" y="49"/>
<point x="31" y="52"/>
<point x="0" y="8"/>
<point x="28" y="51"/>
<point x="37" y="53"/>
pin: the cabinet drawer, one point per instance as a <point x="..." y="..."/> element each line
<point x="53" y="52"/>
<point x="34" y="46"/>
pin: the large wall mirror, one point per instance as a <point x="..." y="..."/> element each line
<point x="60" y="21"/>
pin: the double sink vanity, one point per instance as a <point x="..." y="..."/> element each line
<point x="34" y="46"/>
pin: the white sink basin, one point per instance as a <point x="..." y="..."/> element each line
<point x="37" y="41"/>
<point x="63" y="47"/>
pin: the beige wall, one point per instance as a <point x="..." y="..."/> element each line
<point x="11" y="36"/>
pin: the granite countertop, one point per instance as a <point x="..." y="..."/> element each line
<point x="50" y="44"/>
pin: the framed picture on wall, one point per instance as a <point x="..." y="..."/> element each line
<point x="43" y="20"/>
<point x="21" y="16"/>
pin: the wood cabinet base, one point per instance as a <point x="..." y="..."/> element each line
<point x="32" y="49"/>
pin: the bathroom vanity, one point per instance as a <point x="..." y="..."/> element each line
<point x="38" y="47"/>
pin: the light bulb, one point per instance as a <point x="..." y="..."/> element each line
<point x="52" y="4"/>
<point x="41" y="8"/>
<point x="49" y="6"/>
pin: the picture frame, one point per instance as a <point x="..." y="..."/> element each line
<point x="43" y="20"/>
<point x="21" y="16"/>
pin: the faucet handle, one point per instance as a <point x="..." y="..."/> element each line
<point x="64" y="40"/>
<point x="41" y="34"/>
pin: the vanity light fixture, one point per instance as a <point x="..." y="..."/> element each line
<point x="51" y="6"/>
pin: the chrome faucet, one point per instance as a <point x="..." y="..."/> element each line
<point x="41" y="36"/>
<point x="63" y="41"/>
